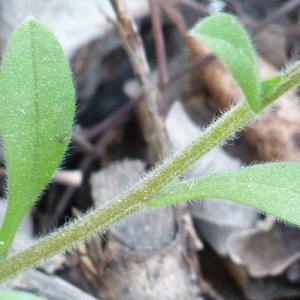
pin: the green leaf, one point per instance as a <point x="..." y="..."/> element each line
<point x="230" y="42"/>
<point x="36" y="116"/>
<point x="269" y="85"/>
<point x="272" y="188"/>
<point x="16" y="295"/>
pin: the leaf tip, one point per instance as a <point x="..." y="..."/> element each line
<point x="228" y="39"/>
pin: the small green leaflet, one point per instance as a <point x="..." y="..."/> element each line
<point x="269" y="85"/>
<point x="37" y="107"/>
<point x="229" y="41"/>
<point x="273" y="188"/>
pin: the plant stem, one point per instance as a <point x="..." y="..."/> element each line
<point x="131" y="200"/>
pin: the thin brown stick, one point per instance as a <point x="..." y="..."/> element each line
<point x="283" y="10"/>
<point x="257" y="26"/>
<point x="113" y="120"/>
<point x="150" y="121"/>
<point x="192" y="67"/>
<point x="163" y="77"/>
<point x="193" y="5"/>
<point x="174" y="16"/>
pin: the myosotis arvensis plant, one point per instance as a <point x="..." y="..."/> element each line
<point x="272" y="187"/>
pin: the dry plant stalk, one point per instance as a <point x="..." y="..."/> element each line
<point x="150" y="121"/>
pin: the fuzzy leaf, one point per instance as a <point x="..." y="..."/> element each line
<point x="272" y="188"/>
<point x="229" y="41"/>
<point x="36" y="115"/>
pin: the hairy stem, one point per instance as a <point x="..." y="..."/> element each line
<point x="131" y="200"/>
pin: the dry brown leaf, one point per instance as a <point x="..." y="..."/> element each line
<point x="265" y="252"/>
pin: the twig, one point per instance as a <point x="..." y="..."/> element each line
<point x="115" y="119"/>
<point x="194" y="5"/>
<point x="284" y="9"/>
<point x="257" y="26"/>
<point x="178" y="21"/>
<point x="174" y="16"/>
<point x="192" y="67"/>
<point x="68" y="194"/>
<point x="163" y="77"/>
<point x="151" y="124"/>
